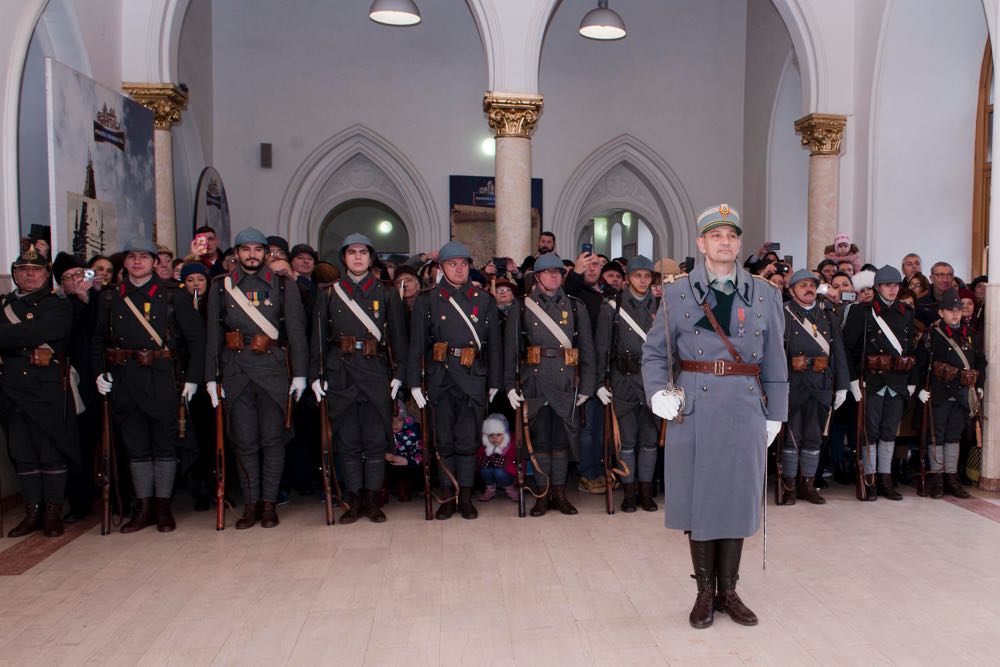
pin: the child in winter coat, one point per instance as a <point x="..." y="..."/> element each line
<point x="495" y="458"/>
<point x="843" y="250"/>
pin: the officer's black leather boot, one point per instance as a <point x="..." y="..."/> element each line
<point x="375" y="513"/>
<point x="560" y="502"/>
<point x="953" y="485"/>
<point x="646" y="501"/>
<point x="164" y="516"/>
<point x="353" y="509"/>
<point x="628" y="502"/>
<point x="727" y="567"/>
<point x="885" y="487"/>
<point x="703" y="560"/>
<point x="465" y="506"/>
<point x="31" y="522"/>
<point x="142" y="516"/>
<point x="807" y="491"/>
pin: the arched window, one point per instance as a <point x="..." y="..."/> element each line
<point x="984" y="166"/>
<point x="619" y="233"/>
<point x="374" y="219"/>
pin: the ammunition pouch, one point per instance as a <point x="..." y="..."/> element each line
<point x="879" y="363"/>
<point x="41" y="357"/>
<point x="945" y="372"/>
<point x="628" y="363"/>
<point x="968" y="378"/>
<point x="534" y="354"/>
<point x="234" y="340"/>
<point x="905" y="363"/>
<point x="439" y="352"/>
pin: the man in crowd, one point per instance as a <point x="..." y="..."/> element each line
<point x="911" y="266"/>
<point x="725" y="328"/>
<point x="36" y="408"/>
<point x="817" y="384"/>
<point x="208" y="250"/>
<point x="548" y="343"/>
<point x="454" y="362"/>
<point x="942" y="280"/>
<point x="140" y="325"/>
<point x="621" y="331"/>
<point x="613" y="277"/>
<point x="360" y="337"/>
<point x="256" y="346"/>
<point x="879" y="339"/>
<point x="164" y="263"/>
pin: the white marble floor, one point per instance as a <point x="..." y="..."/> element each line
<point x="915" y="582"/>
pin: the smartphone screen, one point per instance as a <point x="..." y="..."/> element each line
<point x="587" y="247"/>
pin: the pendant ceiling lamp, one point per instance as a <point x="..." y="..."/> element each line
<point x="602" y="23"/>
<point x="395" y="12"/>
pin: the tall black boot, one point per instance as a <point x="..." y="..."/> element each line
<point x="728" y="573"/>
<point x="703" y="559"/>
<point x="885" y="487"/>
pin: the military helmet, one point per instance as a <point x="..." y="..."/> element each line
<point x="354" y="239"/>
<point x="141" y="245"/>
<point x="454" y="250"/>
<point x="549" y="260"/>
<point x="887" y="274"/>
<point x="250" y="236"/>
<point x="31" y="257"/>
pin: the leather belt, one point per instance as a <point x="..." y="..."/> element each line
<point x="720" y="367"/>
<point x="119" y="356"/>
<point x="457" y="351"/>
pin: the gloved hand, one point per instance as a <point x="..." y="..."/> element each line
<point x="394" y="388"/>
<point x="924" y="395"/>
<point x="666" y="404"/>
<point x="214" y="390"/>
<point x="418" y="397"/>
<point x="493" y="393"/>
<point x="979" y="392"/>
<point x="856" y="389"/>
<point x="189" y="391"/>
<point x="104" y="384"/>
<point x="581" y="399"/>
<point x="772" y="431"/>
<point x="319" y="389"/>
<point x="516" y="398"/>
<point x="604" y="395"/>
<point x="910" y="388"/>
<point x="298" y="388"/>
<point x="839" y="397"/>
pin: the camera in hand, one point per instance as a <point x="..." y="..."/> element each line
<point x="781" y="268"/>
<point x="848" y="296"/>
<point x="500" y="264"/>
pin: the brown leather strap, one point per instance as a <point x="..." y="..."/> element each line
<point x="710" y="316"/>
<point x="720" y="367"/>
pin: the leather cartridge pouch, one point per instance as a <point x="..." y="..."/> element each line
<point x="905" y="363"/>
<point x="571" y="356"/>
<point x="800" y="363"/>
<point x="346" y="344"/>
<point x="439" y="352"/>
<point x="40" y="357"/>
<point x="234" y="340"/>
<point x="145" y="357"/>
<point x="944" y="371"/>
<point x="820" y="364"/>
<point x="369" y="348"/>
<point x="627" y="363"/>
<point x="968" y="378"/>
<point x="533" y="355"/>
<point x="260" y="344"/>
<point x="468" y="356"/>
<point x="116" y="357"/>
<point x="879" y="362"/>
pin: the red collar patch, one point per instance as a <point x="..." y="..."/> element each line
<point x="346" y="284"/>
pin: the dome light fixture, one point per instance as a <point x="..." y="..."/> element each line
<point x="394" y="12"/>
<point x="602" y="23"/>
<point x="385" y="227"/>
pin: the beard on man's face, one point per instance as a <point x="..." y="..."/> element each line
<point x="250" y="264"/>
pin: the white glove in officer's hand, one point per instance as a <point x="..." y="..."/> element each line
<point x="104" y="384"/>
<point x="418" y="397"/>
<point x="665" y="404"/>
<point x="394" y="388"/>
<point x="493" y="393"/>
<point x="604" y="395"/>
<point x="319" y="389"/>
<point x="515" y="398"/>
<point x="189" y="390"/>
<point x="979" y="392"/>
<point x="839" y="397"/>
<point x="910" y="388"/>
<point x="924" y="395"/>
<point x="581" y="400"/>
<point x="298" y="388"/>
<point x="772" y="431"/>
<point x="214" y="390"/>
<point x="856" y="389"/>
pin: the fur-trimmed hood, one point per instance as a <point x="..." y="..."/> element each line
<point x="496" y="423"/>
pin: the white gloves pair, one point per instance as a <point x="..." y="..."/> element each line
<point x="856" y="389"/>
<point x="320" y="386"/>
<point x="105" y="382"/>
<point x="516" y="398"/>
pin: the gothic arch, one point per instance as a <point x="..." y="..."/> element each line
<point x="656" y="193"/>
<point x="380" y="171"/>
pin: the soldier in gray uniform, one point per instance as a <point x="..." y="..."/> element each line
<point x="721" y="328"/>
<point x="455" y="354"/>
<point x="817" y="381"/>
<point x="360" y="336"/>
<point x="36" y="407"/>
<point x="621" y="330"/>
<point x="548" y="341"/>
<point x="256" y="345"/>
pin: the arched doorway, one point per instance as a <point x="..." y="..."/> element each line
<point x="372" y="218"/>
<point x="620" y="233"/>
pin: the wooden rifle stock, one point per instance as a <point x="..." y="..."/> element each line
<point x="105" y="469"/>
<point x="326" y="455"/>
<point x="220" y="464"/>
<point x="861" y="441"/>
<point x="609" y="476"/>
<point x="182" y="419"/>
<point x="522" y="507"/>
<point x="425" y="464"/>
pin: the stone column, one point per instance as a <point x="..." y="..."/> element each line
<point x="513" y="118"/>
<point x="822" y="133"/>
<point x="166" y="101"/>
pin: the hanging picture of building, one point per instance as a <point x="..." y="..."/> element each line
<point x="102" y="187"/>
<point x="211" y="207"/>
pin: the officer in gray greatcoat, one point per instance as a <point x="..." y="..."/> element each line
<point x="817" y="381"/>
<point x="715" y="356"/>
<point x="621" y="330"/>
<point x="360" y="335"/>
<point x="455" y="355"/>
<point x="256" y="346"/>
<point x="548" y="342"/>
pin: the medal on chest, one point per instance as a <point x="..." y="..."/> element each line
<point x="145" y="310"/>
<point x="475" y="314"/>
<point x="267" y="298"/>
<point x="741" y="319"/>
<point x="565" y="318"/>
<point x="375" y="308"/>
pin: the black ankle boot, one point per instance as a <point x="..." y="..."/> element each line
<point x="727" y="569"/>
<point x="646" y="501"/>
<point x="628" y="502"/>
<point x="703" y="560"/>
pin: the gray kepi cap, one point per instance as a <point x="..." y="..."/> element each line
<point x="717" y="216"/>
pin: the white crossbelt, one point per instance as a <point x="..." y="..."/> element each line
<point x="628" y="320"/>
<point x="258" y="318"/>
<point x="548" y="322"/>
<point x="145" y="324"/>
<point x="888" y="332"/>
<point x="358" y="312"/>
<point x="468" y="323"/>
<point x="820" y="340"/>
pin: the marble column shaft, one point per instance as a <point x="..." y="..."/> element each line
<point x="822" y="134"/>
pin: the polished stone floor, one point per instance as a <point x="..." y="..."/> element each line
<point x="915" y="582"/>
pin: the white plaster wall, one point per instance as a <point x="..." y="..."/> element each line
<point x="295" y="73"/>
<point x="675" y="83"/>
<point x="787" y="173"/>
<point x="925" y="130"/>
<point x="100" y="24"/>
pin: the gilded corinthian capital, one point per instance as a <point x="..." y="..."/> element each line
<point x="165" y="100"/>
<point x="512" y="115"/>
<point x="822" y="132"/>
